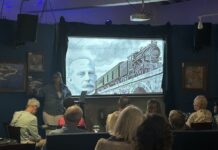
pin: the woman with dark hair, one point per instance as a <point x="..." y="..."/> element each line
<point x="154" y="134"/>
<point x="53" y="94"/>
<point x="153" y="106"/>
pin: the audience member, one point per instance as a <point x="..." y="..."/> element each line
<point x="153" y="106"/>
<point x="72" y="116"/>
<point x="201" y="113"/>
<point x="154" y="134"/>
<point x="177" y="120"/>
<point x="67" y="103"/>
<point x="112" y="118"/>
<point x="53" y="94"/>
<point x="123" y="136"/>
<point x="28" y="122"/>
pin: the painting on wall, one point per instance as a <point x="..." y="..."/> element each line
<point x="194" y="76"/>
<point x="35" y="82"/>
<point x="35" y="62"/>
<point x="12" y="77"/>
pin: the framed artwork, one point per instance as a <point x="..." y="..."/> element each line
<point x="35" y="82"/>
<point x="194" y="76"/>
<point x="35" y="62"/>
<point x="12" y="77"/>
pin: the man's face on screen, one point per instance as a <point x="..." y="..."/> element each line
<point x="83" y="76"/>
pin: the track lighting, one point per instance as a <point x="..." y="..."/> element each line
<point x="200" y="18"/>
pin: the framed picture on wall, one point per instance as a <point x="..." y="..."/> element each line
<point x="35" y="62"/>
<point x="194" y="76"/>
<point x="35" y="82"/>
<point x="12" y="77"/>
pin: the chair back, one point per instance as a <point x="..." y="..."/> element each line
<point x="202" y="126"/>
<point x="14" y="133"/>
<point x="17" y="147"/>
<point x="74" y="141"/>
<point x="195" y="139"/>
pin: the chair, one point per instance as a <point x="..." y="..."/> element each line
<point x="195" y="139"/>
<point x="13" y="132"/>
<point x="17" y="147"/>
<point x="202" y="126"/>
<point x="74" y="141"/>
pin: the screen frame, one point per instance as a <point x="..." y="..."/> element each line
<point x="75" y="29"/>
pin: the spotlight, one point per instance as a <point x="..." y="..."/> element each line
<point x="108" y="22"/>
<point x="141" y="16"/>
<point x="200" y="24"/>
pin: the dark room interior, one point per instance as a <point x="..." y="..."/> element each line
<point x="42" y="27"/>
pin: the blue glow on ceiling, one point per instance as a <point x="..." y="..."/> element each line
<point x="39" y="2"/>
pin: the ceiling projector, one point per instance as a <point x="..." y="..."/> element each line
<point x="140" y="17"/>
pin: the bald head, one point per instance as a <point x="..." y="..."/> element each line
<point x="73" y="114"/>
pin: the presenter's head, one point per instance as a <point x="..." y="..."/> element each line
<point x="57" y="78"/>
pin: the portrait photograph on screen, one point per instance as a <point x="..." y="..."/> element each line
<point x="104" y="66"/>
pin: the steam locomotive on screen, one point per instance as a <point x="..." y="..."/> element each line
<point x="138" y="63"/>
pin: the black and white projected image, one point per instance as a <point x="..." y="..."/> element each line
<point x="107" y="66"/>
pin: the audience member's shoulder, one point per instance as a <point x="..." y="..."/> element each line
<point x="17" y="112"/>
<point x="115" y="113"/>
<point x="56" y="132"/>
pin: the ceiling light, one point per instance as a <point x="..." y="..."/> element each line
<point x="200" y="23"/>
<point x="141" y="16"/>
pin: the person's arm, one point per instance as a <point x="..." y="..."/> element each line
<point x="66" y="91"/>
<point x="40" y="92"/>
<point x="33" y="130"/>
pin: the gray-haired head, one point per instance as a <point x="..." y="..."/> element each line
<point x="33" y="102"/>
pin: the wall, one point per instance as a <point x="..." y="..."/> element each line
<point x="181" y="44"/>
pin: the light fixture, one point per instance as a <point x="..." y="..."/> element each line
<point x="141" y="16"/>
<point x="200" y="24"/>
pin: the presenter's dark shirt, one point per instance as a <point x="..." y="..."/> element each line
<point x="53" y="104"/>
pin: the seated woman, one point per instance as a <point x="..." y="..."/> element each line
<point x="177" y="120"/>
<point x="154" y="134"/>
<point x="123" y="102"/>
<point x="201" y="114"/>
<point x="154" y="106"/>
<point x="123" y="136"/>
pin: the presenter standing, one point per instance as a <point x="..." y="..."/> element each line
<point x="54" y="94"/>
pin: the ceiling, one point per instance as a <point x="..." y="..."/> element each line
<point x="10" y="8"/>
